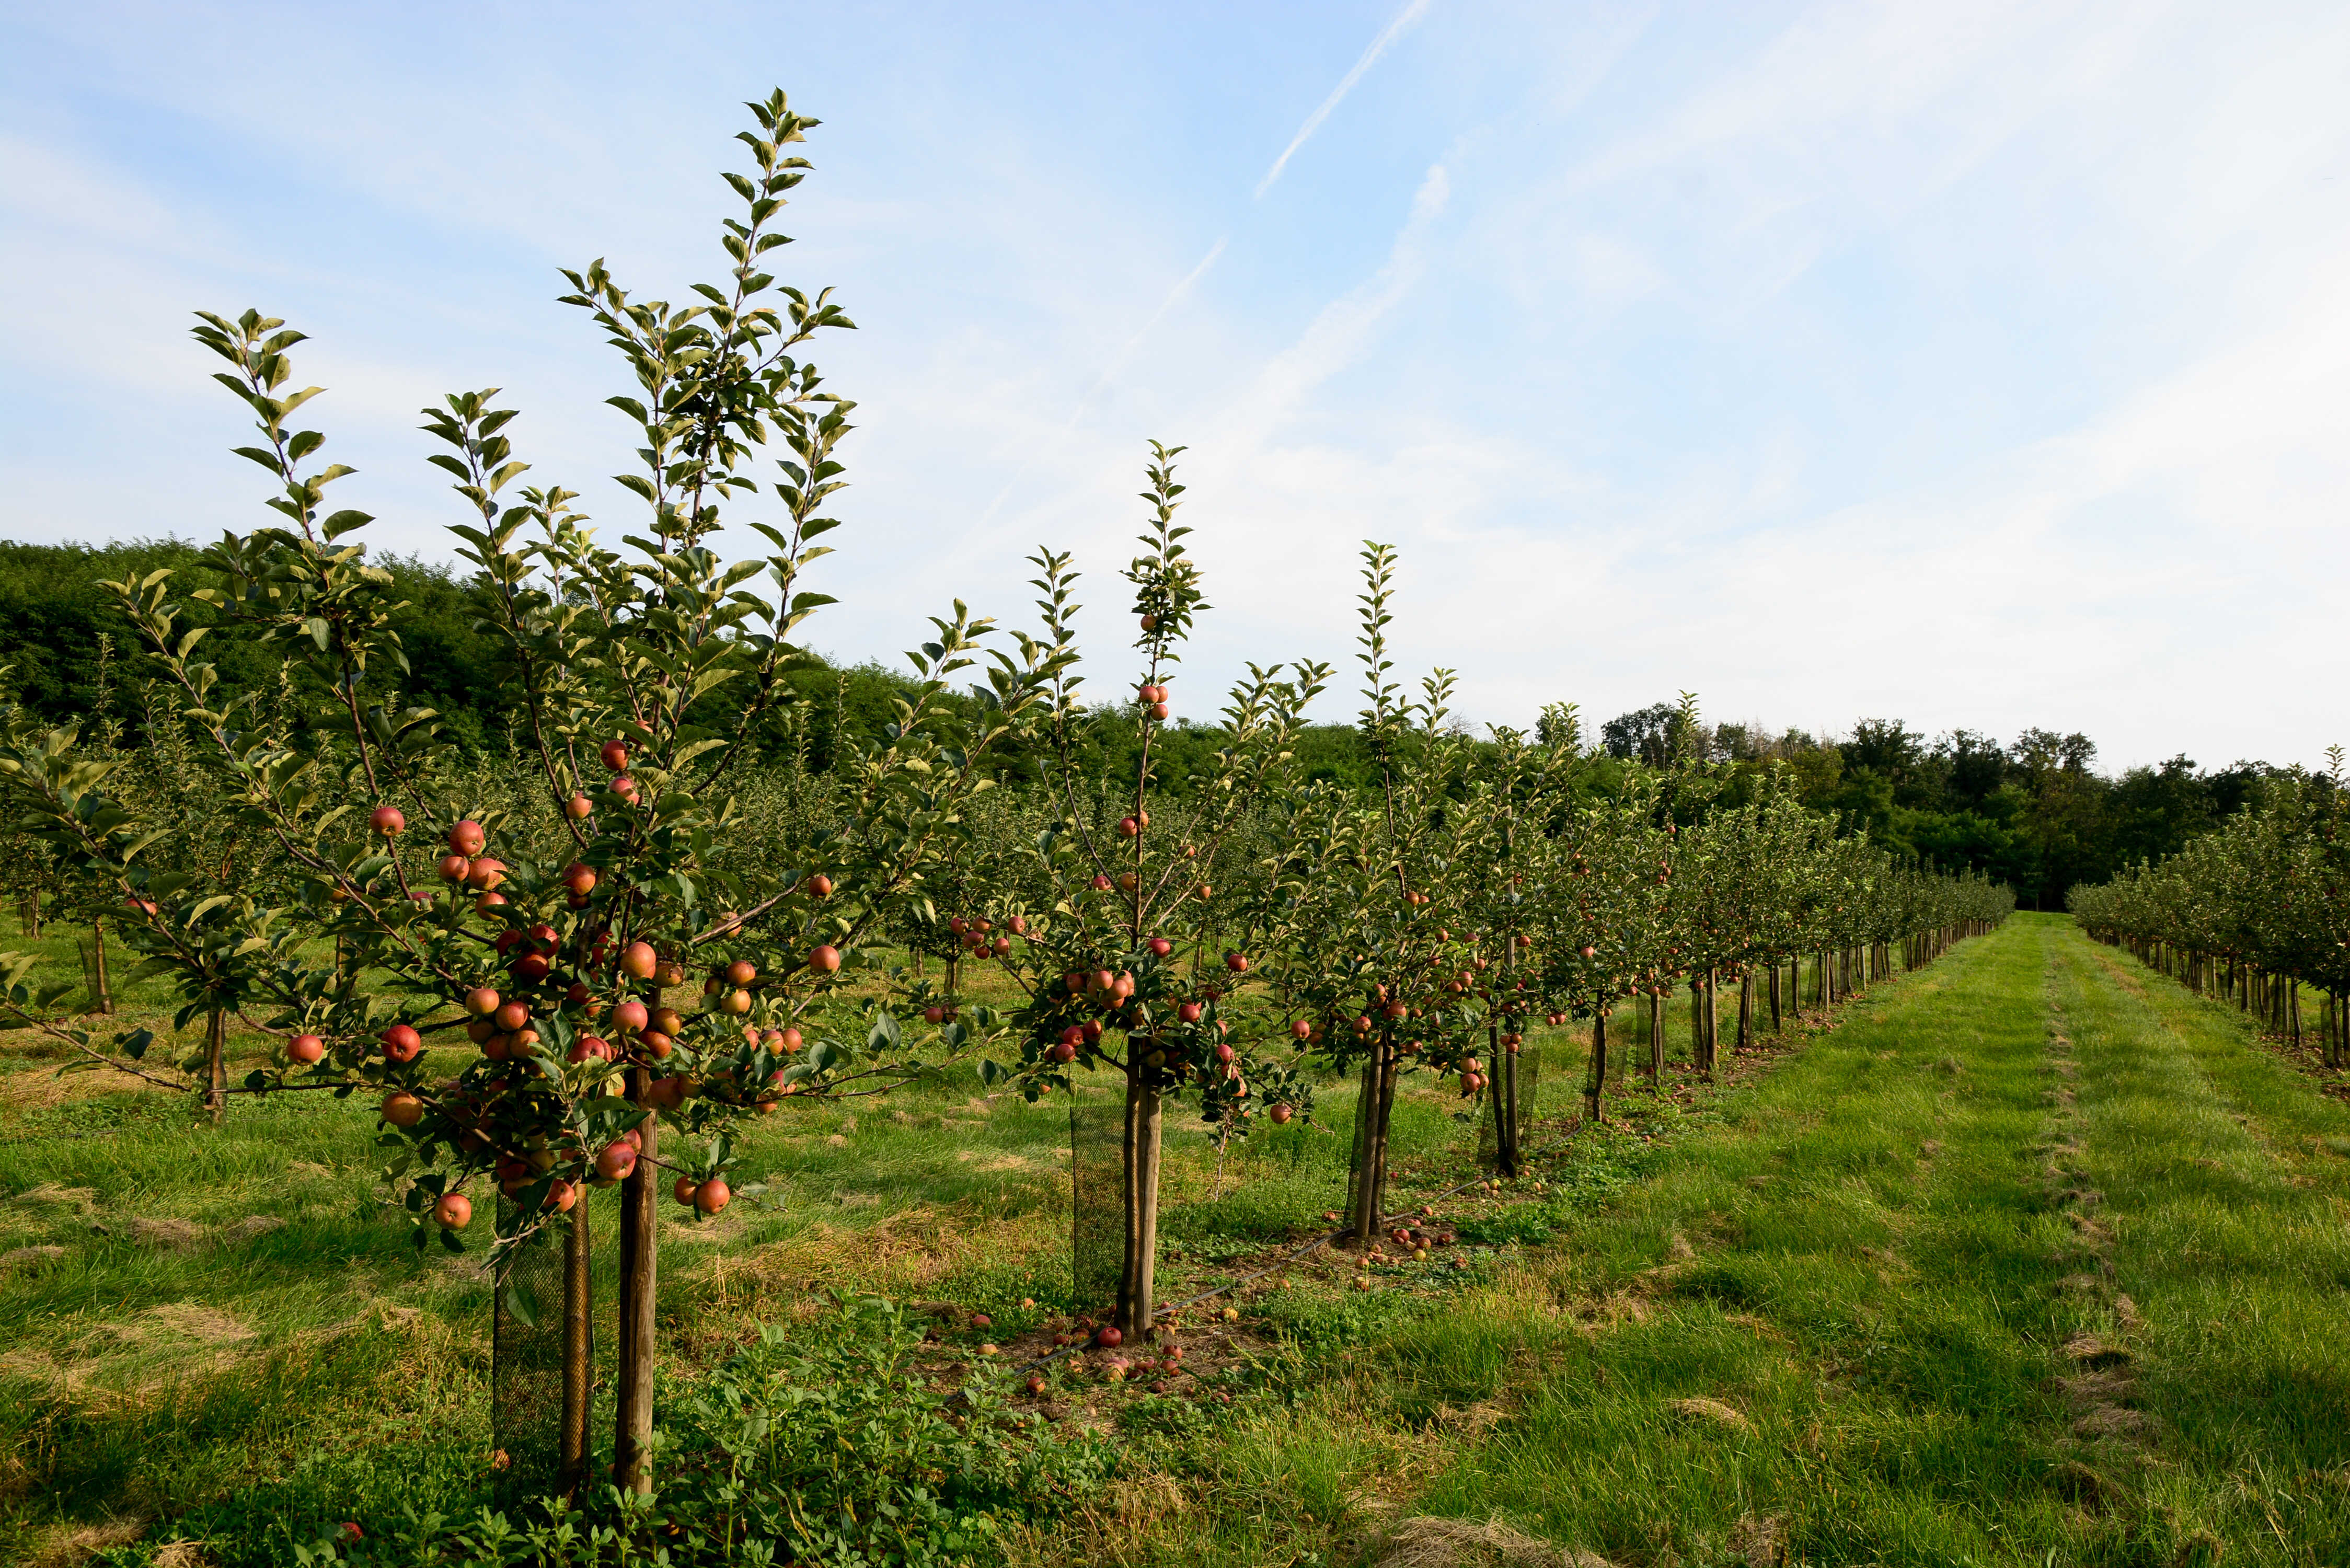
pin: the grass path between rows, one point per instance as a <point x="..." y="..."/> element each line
<point x="2035" y="1258"/>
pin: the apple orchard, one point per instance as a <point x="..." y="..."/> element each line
<point x="629" y="984"/>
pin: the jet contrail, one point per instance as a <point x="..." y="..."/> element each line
<point x="1110" y="370"/>
<point x="1166" y="305"/>
<point x="1412" y="14"/>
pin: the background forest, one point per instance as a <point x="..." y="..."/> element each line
<point x="2035" y="813"/>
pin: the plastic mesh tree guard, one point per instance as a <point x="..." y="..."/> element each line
<point x="526" y="1361"/>
<point x="1514" y="1095"/>
<point x="1097" y="1194"/>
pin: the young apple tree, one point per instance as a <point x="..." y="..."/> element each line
<point x="1131" y="962"/>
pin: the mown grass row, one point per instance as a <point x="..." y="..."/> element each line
<point x="2031" y="1258"/>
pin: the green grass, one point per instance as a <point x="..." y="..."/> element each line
<point x="194" y="1313"/>
<point x="1877" y="1260"/>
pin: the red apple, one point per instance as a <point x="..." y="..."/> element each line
<point x="737" y="1000"/>
<point x="580" y="879"/>
<point x="1300" y="1028"/>
<point x="402" y="1109"/>
<point x="638" y="961"/>
<point x="388" y="821"/>
<point x="615" y="755"/>
<point x="820" y="885"/>
<point x="305" y="1048"/>
<point x="454" y="867"/>
<point x="468" y="838"/>
<point x="712" y="1195"/>
<point x="824" y="958"/>
<point x="1282" y="1113"/>
<point x="631" y="1014"/>
<point x="561" y="1195"/>
<point x="486" y="873"/>
<point x="1161" y="946"/>
<point x="1127" y="828"/>
<point x="790" y="1041"/>
<point x="400" y="1043"/>
<point x="617" y="1160"/>
<point x="1236" y="962"/>
<point x="455" y="1210"/>
<point x="683" y="1189"/>
<point x="1189" y="1012"/>
<point x="578" y="808"/>
<point x="513" y="1015"/>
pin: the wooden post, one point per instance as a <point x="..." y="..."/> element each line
<point x="1145" y="1120"/>
<point x="639" y="1259"/>
<point x="1371" y="1153"/>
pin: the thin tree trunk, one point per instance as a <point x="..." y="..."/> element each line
<point x="1598" y="1079"/>
<point x="1144" y="1131"/>
<point x="94" y="978"/>
<point x="1746" y="1008"/>
<point x="1510" y="1080"/>
<point x="215" y="1063"/>
<point x="1504" y="1098"/>
<point x="1656" y="1043"/>
<point x="1358" y="1176"/>
<point x="639" y="1256"/>
<point x="1774" y="996"/>
<point x="1374" y="1182"/>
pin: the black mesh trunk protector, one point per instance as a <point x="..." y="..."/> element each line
<point x="1497" y="1101"/>
<point x="526" y="1361"/>
<point x="1096" y="1193"/>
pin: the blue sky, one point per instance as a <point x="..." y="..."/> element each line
<point x="1983" y="365"/>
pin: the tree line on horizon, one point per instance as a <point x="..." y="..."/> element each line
<point x="2035" y="813"/>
